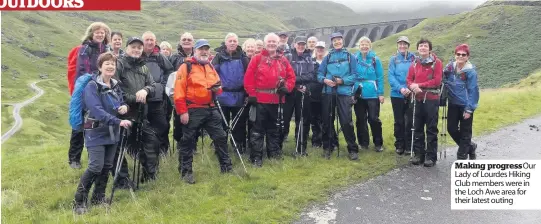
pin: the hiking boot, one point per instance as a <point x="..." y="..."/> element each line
<point x="75" y="165"/>
<point x="353" y="156"/>
<point x="416" y="160"/>
<point x="379" y="148"/>
<point x="188" y="178"/>
<point x="257" y="163"/>
<point x="472" y="154"/>
<point x="399" y="151"/>
<point x="99" y="201"/>
<point x="363" y="147"/>
<point x="429" y="163"/>
<point x="316" y="145"/>
<point x="80" y="208"/>
<point x="225" y="169"/>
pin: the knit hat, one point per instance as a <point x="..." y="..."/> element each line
<point x="463" y="47"/>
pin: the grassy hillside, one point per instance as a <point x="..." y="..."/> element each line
<point x="505" y="41"/>
<point x="38" y="186"/>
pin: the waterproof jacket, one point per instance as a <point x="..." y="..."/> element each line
<point x="370" y="75"/>
<point x="231" y="69"/>
<point x="263" y="75"/>
<point x="304" y="67"/>
<point x="178" y="58"/>
<point x="87" y="59"/>
<point x="336" y="63"/>
<point x="133" y="76"/>
<point x="193" y="90"/>
<point x="428" y="74"/>
<point x="462" y="85"/>
<point x="315" y="87"/>
<point x="160" y="68"/>
<point x="102" y="103"/>
<point x="398" y="71"/>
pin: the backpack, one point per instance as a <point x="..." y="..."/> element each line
<point x="328" y="57"/>
<point x="76" y="102"/>
<point x="72" y="65"/>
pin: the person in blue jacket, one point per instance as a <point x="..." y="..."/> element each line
<point x="369" y="91"/>
<point x="102" y="98"/>
<point x="460" y="80"/>
<point x="231" y="62"/>
<point x="338" y="71"/>
<point x="397" y="72"/>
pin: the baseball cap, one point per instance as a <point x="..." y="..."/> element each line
<point x="200" y="43"/>
<point x="337" y="34"/>
<point x="132" y="40"/>
<point x="283" y="34"/>
<point x="320" y="44"/>
<point x="300" y="39"/>
<point x="404" y="39"/>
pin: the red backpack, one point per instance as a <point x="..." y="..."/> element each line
<point x="72" y="67"/>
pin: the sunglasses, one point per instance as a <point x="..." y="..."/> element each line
<point x="461" y="55"/>
<point x="186" y="39"/>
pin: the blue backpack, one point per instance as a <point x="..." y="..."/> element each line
<point x="76" y="102"/>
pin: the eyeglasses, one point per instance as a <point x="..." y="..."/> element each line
<point x="186" y="39"/>
<point x="461" y="55"/>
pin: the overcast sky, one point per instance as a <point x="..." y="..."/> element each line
<point x="402" y="5"/>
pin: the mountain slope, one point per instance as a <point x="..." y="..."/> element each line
<point x="505" y="41"/>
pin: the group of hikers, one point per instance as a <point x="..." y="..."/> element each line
<point x="247" y="94"/>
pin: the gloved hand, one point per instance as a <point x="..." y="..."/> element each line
<point x="282" y="90"/>
<point x="252" y="100"/>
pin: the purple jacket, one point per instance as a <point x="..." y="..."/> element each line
<point x="87" y="60"/>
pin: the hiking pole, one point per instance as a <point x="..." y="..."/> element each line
<point x="443" y="100"/>
<point x="414" y="101"/>
<point x="237" y="117"/>
<point x="335" y="89"/>
<point x="299" y="130"/>
<point x="119" y="162"/>
<point x="228" y="129"/>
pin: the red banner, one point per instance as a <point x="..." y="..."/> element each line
<point x="70" y="5"/>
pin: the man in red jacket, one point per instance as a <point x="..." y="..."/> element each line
<point x="268" y="78"/>
<point x="424" y="80"/>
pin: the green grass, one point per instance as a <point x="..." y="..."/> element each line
<point x="7" y="119"/>
<point x="38" y="186"/>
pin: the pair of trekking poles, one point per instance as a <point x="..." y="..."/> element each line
<point x="443" y="103"/>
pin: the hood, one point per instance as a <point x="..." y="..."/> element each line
<point x="99" y="80"/>
<point x="265" y="53"/>
<point x="95" y="44"/>
<point x="333" y="50"/>
<point x="133" y="62"/>
<point x="431" y="59"/>
<point x="451" y="66"/>
<point x="307" y="53"/>
<point x="409" y="55"/>
<point x="181" y="52"/>
<point x="371" y="54"/>
<point x="222" y="52"/>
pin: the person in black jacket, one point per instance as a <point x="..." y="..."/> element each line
<point x="160" y="108"/>
<point x="137" y="87"/>
<point x="305" y="67"/>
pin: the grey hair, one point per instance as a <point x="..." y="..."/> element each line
<point x="312" y="38"/>
<point x="231" y="35"/>
<point x="364" y="38"/>
<point x="270" y="35"/>
<point x="148" y="33"/>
